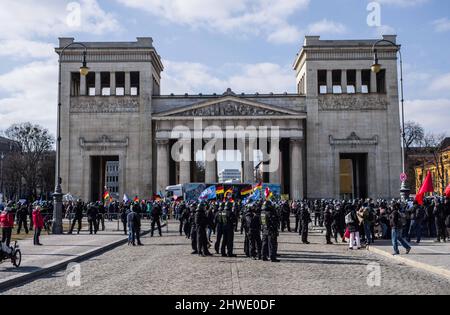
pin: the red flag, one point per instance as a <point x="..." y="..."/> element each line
<point x="427" y="187"/>
<point x="447" y="191"/>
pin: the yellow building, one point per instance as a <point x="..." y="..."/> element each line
<point x="430" y="165"/>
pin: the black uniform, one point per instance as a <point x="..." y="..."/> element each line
<point x="220" y="220"/>
<point x="228" y="236"/>
<point x="101" y="216"/>
<point x="269" y="223"/>
<point x="78" y="217"/>
<point x="328" y="220"/>
<point x="201" y="223"/>
<point x="193" y="230"/>
<point x="92" y="214"/>
<point x="286" y="217"/>
<point x="21" y="216"/>
<point x="440" y="215"/>
<point x="253" y="221"/>
<point x="134" y="225"/>
<point x="305" y="219"/>
<point x="185" y="217"/>
<point x="156" y="219"/>
<point x="338" y="224"/>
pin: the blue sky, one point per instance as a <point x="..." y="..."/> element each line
<point x="209" y="45"/>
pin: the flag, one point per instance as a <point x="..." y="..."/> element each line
<point x="427" y="187"/>
<point x="268" y="193"/>
<point x="447" y="191"/>
<point x="136" y="199"/>
<point x="125" y="198"/>
<point x="208" y="194"/>
<point x="256" y="195"/>
<point x="258" y="187"/>
<point x="246" y="191"/>
<point x="156" y="198"/>
<point x="220" y="190"/>
<point x="229" y="192"/>
<point x="106" y="196"/>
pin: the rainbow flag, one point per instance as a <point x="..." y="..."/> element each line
<point x="106" y="196"/>
<point x="268" y="193"/>
<point x="258" y="187"/>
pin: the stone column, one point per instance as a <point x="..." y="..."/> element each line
<point x="329" y="82"/>
<point x="98" y="84"/>
<point x="162" y="178"/>
<point x="249" y="163"/>
<point x="127" y="83"/>
<point x="211" y="164"/>
<point x="344" y="81"/>
<point x="358" y="81"/>
<point x="185" y="163"/>
<point x="373" y="82"/>
<point x="275" y="165"/>
<point x="113" y="83"/>
<point x="296" y="169"/>
<point x="83" y="86"/>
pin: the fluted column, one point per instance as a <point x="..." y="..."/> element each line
<point x="211" y="162"/>
<point x="275" y="163"/>
<point x="185" y="163"/>
<point x="249" y="163"/>
<point x="296" y="169"/>
<point x="162" y="178"/>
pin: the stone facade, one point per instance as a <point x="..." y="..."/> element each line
<point x="316" y="130"/>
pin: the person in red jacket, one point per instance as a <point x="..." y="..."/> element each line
<point x="7" y="225"/>
<point x="38" y="223"/>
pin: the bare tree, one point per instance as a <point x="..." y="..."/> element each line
<point x="414" y="134"/>
<point x="433" y="145"/>
<point x="34" y="142"/>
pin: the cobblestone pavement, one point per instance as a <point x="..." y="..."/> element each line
<point x="165" y="266"/>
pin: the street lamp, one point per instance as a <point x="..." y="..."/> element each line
<point x="376" y="68"/>
<point x="57" y="224"/>
<point x="2" y="157"/>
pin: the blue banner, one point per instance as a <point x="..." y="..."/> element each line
<point x="208" y="194"/>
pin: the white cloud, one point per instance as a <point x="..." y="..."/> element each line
<point x="22" y="48"/>
<point x="194" y="78"/>
<point x="442" y="25"/>
<point x="255" y="17"/>
<point x="31" y="94"/>
<point x="30" y="18"/>
<point x="401" y="3"/>
<point x="441" y="83"/>
<point x="326" y="26"/>
<point x="432" y="114"/>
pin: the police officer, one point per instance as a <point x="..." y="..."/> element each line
<point x="101" y="215"/>
<point x="338" y="223"/>
<point x="286" y="217"/>
<point x="253" y="221"/>
<point x="180" y="211"/>
<point x="245" y="228"/>
<point x="201" y="223"/>
<point x="229" y="228"/>
<point x="305" y="219"/>
<point x="328" y="221"/>
<point x="186" y="217"/>
<point x="269" y="223"/>
<point x="156" y="218"/>
<point x="78" y="216"/>
<point x="440" y="215"/>
<point x="220" y="220"/>
<point x="193" y="230"/>
<point x="21" y="215"/>
<point x="133" y="220"/>
<point x="92" y="214"/>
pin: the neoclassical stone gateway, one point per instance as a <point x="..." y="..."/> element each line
<point x="339" y="135"/>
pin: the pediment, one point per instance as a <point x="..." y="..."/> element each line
<point x="229" y="106"/>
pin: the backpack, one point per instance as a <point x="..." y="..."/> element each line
<point x="349" y="219"/>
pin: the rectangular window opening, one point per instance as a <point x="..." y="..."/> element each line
<point x="337" y="81"/>
<point x="105" y="83"/>
<point x="120" y="83"/>
<point x="381" y="81"/>
<point x="322" y="81"/>
<point x="134" y="82"/>
<point x="90" y="84"/>
<point x="75" y="84"/>
<point x="351" y="81"/>
<point x="366" y="77"/>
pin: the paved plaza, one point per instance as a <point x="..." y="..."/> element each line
<point x="164" y="266"/>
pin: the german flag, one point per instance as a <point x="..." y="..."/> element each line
<point x="220" y="190"/>
<point x="246" y="191"/>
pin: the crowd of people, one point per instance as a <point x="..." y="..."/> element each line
<point x="358" y="222"/>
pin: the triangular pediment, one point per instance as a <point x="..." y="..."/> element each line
<point x="229" y="106"/>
